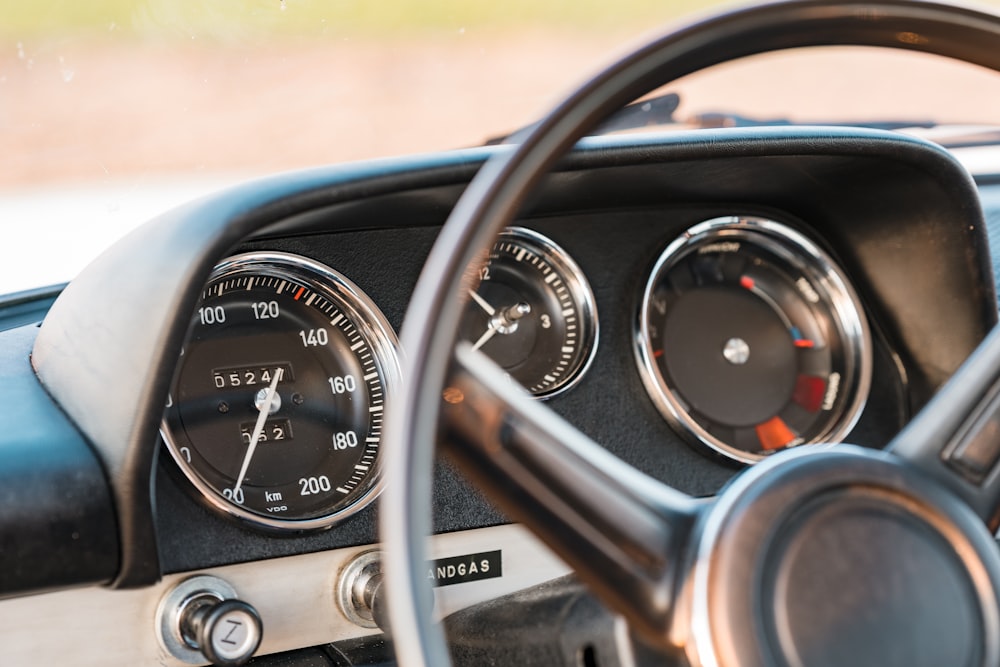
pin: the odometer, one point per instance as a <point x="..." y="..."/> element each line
<point x="276" y="409"/>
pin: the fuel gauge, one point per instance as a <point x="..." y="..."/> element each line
<point x="751" y="340"/>
<point x="533" y="313"/>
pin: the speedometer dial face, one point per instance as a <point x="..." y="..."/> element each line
<point x="750" y="340"/>
<point x="533" y="313"/>
<point x="276" y="411"/>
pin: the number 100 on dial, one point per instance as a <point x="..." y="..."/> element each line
<point x="276" y="411"/>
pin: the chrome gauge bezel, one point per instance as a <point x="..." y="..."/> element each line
<point x="806" y="256"/>
<point x="372" y="325"/>
<point x="581" y="296"/>
<point x="583" y="299"/>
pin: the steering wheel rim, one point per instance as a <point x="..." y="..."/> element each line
<point x="496" y="194"/>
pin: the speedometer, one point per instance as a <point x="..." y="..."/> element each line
<point x="275" y="413"/>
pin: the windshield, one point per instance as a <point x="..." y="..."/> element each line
<point x="115" y="110"/>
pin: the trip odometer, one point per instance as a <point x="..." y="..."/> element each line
<point x="275" y="414"/>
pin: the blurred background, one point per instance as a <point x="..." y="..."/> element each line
<point x="106" y="88"/>
<point x="114" y="110"/>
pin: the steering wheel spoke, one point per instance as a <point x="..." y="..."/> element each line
<point x="802" y="560"/>
<point x="956" y="437"/>
<point x="621" y="530"/>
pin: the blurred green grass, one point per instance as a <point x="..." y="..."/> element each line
<point x="238" y="20"/>
<point x="208" y="18"/>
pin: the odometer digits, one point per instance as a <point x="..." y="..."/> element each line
<point x="276" y="411"/>
<point x="249" y="376"/>
<point x="274" y="430"/>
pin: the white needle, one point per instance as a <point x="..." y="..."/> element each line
<point x="265" y="410"/>
<point x="482" y="303"/>
<point x="485" y="337"/>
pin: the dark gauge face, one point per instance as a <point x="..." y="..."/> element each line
<point x="533" y="313"/>
<point x="276" y="411"/>
<point x="751" y="340"/>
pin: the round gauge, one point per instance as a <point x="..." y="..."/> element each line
<point x="750" y="339"/>
<point x="533" y="313"/>
<point x="275" y="413"/>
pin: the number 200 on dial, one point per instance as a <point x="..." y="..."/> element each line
<point x="275" y="413"/>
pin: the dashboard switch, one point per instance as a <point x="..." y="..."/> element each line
<point x="227" y="632"/>
<point x="361" y="594"/>
<point x="201" y="620"/>
<point x="359" y="591"/>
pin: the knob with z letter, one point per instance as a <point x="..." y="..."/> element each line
<point x="227" y="632"/>
<point x="201" y="619"/>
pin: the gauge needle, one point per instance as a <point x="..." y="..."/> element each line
<point x="483" y="304"/>
<point x="265" y="409"/>
<point x="485" y="337"/>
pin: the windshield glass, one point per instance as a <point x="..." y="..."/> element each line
<point x="111" y="88"/>
<point x="115" y="110"/>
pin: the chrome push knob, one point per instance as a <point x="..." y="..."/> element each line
<point x="202" y="620"/>
<point x="360" y="593"/>
<point x="226" y="632"/>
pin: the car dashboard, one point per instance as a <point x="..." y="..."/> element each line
<point x="101" y="521"/>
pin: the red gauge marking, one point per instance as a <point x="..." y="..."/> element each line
<point x="774" y="434"/>
<point x="657" y="354"/>
<point x="805" y="343"/>
<point x="299" y="293"/>
<point x="747" y="282"/>
<point x="809" y="392"/>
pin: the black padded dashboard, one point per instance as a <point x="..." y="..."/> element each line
<point x="899" y="216"/>
<point x="615" y="248"/>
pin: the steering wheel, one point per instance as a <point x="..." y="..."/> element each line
<point x="831" y="557"/>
